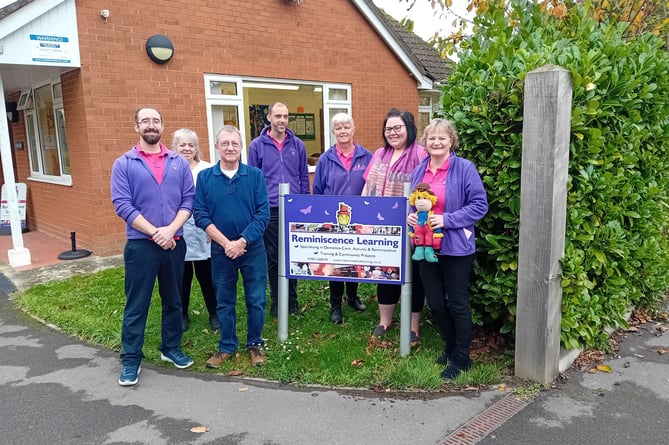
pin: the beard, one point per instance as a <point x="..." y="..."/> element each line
<point x="151" y="138"/>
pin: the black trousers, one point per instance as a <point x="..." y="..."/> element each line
<point x="390" y="293"/>
<point x="203" y="273"/>
<point x="337" y="291"/>
<point x="446" y="285"/>
<point x="271" y="239"/>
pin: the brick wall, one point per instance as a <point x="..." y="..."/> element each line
<point x="319" y="40"/>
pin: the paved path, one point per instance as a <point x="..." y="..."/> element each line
<point x="55" y="389"/>
<point x="629" y="405"/>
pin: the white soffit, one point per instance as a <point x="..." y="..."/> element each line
<point x="424" y="82"/>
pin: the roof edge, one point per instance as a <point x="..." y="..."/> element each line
<point x="371" y="13"/>
<point x="25" y="13"/>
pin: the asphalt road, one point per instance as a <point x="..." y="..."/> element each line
<point x="55" y="389"/>
<point x="629" y="405"/>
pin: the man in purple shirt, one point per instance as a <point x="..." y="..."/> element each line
<point x="282" y="158"/>
<point x="152" y="191"/>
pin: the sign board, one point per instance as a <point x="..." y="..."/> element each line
<point x="21" y="193"/>
<point x="345" y="238"/>
<point x="55" y="49"/>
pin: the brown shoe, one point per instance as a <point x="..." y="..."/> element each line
<point x="257" y="356"/>
<point x="217" y="359"/>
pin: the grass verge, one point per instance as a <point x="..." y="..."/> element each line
<point x="317" y="351"/>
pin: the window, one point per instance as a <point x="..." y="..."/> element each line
<point x="428" y="103"/>
<point x="243" y="102"/>
<point x="45" y="130"/>
<point x="25" y="101"/>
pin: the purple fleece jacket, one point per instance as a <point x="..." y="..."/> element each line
<point x="466" y="203"/>
<point x="136" y="192"/>
<point x="331" y="177"/>
<point x="288" y="166"/>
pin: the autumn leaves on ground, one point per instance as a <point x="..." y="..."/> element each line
<point x="590" y="360"/>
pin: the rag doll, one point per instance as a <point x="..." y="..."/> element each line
<point x="425" y="239"/>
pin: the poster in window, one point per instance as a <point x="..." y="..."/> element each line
<point x="258" y="118"/>
<point x="303" y="125"/>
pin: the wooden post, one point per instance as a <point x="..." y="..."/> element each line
<point x="543" y="202"/>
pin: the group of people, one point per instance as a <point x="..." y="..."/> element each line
<point x="178" y="222"/>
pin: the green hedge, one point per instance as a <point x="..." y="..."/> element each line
<point x="617" y="250"/>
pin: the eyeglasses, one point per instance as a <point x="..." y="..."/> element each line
<point x="146" y="122"/>
<point x="396" y="129"/>
<point x="226" y="144"/>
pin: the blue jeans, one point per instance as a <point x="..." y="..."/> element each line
<point x="144" y="262"/>
<point x="253" y="267"/>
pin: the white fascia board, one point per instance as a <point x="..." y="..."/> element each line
<point x="424" y="82"/>
<point x="25" y="15"/>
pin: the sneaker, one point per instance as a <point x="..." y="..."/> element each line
<point x="217" y="359"/>
<point x="213" y="322"/>
<point x="129" y="375"/>
<point x="414" y="339"/>
<point x="257" y="356"/>
<point x="379" y="331"/>
<point x="453" y="370"/>
<point x="177" y="358"/>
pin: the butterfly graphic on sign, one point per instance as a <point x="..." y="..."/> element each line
<point x="306" y="210"/>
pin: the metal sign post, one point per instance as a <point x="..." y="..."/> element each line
<point x="282" y="308"/>
<point x="405" y="297"/>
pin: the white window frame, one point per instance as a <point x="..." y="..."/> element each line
<point x="328" y="105"/>
<point x="29" y="110"/>
<point x="24" y="100"/>
<point x="237" y="100"/>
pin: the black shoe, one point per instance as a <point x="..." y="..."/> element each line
<point x="453" y="370"/>
<point x="294" y="308"/>
<point x="379" y="331"/>
<point x="184" y="324"/>
<point x="356" y="304"/>
<point x="415" y="339"/>
<point x="274" y="309"/>
<point x="213" y="322"/>
<point x="335" y="315"/>
<point x="444" y="358"/>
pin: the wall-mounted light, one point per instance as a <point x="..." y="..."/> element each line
<point x="159" y="48"/>
<point x="12" y="112"/>
<point x="104" y="13"/>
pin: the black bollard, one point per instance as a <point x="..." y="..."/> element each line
<point x="74" y="254"/>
